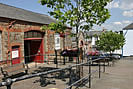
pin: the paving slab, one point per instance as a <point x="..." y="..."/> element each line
<point x="119" y="76"/>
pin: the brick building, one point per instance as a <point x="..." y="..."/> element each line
<point x="21" y="37"/>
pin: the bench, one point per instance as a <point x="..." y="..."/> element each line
<point x="10" y="70"/>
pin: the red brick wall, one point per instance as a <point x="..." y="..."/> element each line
<point x="13" y="34"/>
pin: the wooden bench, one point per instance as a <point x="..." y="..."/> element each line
<point x="10" y="70"/>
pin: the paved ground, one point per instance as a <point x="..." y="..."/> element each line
<point x="119" y="76"/>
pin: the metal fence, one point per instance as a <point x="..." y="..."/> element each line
<point x="8" y="82"/>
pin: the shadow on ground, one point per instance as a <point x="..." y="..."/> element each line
<point x="63" y="75"/>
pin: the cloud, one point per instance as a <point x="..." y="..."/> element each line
<point x="126" y="22"/>
<point x="115" y="26"/>
<point x="128" y="13"/>
<point x="117" y="23"/>
<point x="122" y="4"/>
<point x="113" y="5"/>
<point x="108" y="26"/>
<point x="126" y="4"/>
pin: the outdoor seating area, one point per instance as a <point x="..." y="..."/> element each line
<point x="11" y="70"/>
<point x="64" y="73"/>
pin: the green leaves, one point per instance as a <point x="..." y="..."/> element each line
<point x="73" y="12"/>
<point x="57" y="27"/>
<point x="110" y="41"/>
<point x="73" y="35"/>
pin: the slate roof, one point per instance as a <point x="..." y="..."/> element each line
<point x="89" y="33"/>
<point x="24" y="15"/>
<point x="92" y="33"/>
<point x="129" y="27"/>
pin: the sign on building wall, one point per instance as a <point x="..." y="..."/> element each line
<point x="93" y="41"/>
<point x="15" y="54"/>
<point x="57" y="41"/>
<point x="0" y="48"/>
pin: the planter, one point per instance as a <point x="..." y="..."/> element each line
<point x="70" y="53"/>
<point x="62" y="35"/>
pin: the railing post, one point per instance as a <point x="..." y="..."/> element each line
<point x="8" y="83"/>
<point x="104" y="65"/>
<point x="70" y="76"/>
<point x="56" y="60"/>
<point x="89" y="63"/>
<point x="99" y="69"/>
<point x="8" y="86"/>
<point x="64" y="60"/>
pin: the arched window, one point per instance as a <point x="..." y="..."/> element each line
<point x="33" y="34"/>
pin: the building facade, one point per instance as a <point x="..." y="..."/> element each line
<point x="128" y="48"/>
<point x="21" y="37"/>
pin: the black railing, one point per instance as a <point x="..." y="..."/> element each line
<point x="8" y="82"/>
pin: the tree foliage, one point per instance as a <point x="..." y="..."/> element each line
<point x="57" y="27"/>
<point x="110" y="41"/>
<point x="81" y="14"/>
<point x="78" y="13"/>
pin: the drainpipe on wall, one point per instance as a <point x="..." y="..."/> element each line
<point x="8" y="29"/>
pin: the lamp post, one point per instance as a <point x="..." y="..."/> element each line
<point x="63" y="36"/>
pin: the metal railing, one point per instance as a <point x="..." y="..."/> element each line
<point x="8" y="82"/>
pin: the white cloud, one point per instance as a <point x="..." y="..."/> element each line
<point x="110" y="26"/>
<point x="126" y="4"/>
<point x="117" y="23"/>
<point x="128" y="13"/>
<point x="116" y="5"/>
<point x="122" y="4"/>
<point x="116" y="26"/>
<point x="113" y="5"/>
<point x="126" y="22"/>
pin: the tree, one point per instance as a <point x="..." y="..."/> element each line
<point x="58" y="27"/>
<point x="110" y="41"/>
<point x="81" y="14"/>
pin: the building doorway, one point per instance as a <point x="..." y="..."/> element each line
<point x="33" y="47"/>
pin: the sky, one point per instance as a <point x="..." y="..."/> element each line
<point x="121" y="12"/>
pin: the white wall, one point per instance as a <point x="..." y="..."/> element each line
<point x="128" y="47"/>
